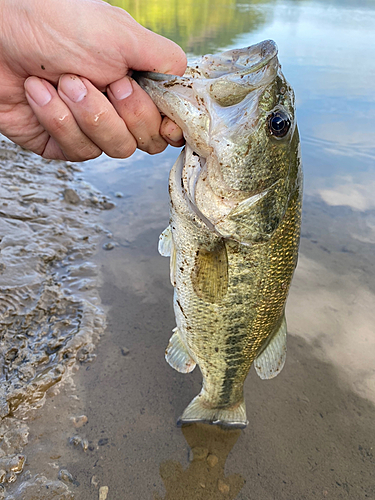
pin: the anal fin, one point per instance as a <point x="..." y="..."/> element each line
<point x="177" y="355"/>
<point x="271" y="361"/>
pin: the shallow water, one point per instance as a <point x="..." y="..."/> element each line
<point x="311" y="431"/>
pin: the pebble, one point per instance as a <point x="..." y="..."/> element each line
<point x="11" y="477"/>
<point x="223" y="487"/>
<point x="65" y="475"/>
<point x="124" y="351"/>
<point x="103" y="492"/>
<point x="79" y="421"/>
<point x="119" y="194"/>
<point x="2" y="475"/>
<point x="78" y="441"/>
<point x="212" y="460"/>
<point x="71" y="196"/>
<point x="108" y="205"/>
<point x="109" y="245"/>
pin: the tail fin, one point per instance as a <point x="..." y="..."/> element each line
<point x="199" y="411"/>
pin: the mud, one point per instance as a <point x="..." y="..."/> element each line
<point x="50" y="312"/>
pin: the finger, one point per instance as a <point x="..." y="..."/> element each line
<point x="96" y="117"/>
<point x="56" y="118"/>
<point x="140" y="114"/>
<point x="171" y="132"/>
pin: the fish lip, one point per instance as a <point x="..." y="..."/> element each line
<point x="156" y="77"/>
<point x="268" y="50"/>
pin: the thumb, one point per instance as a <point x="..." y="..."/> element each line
<point x="153" y="52"/>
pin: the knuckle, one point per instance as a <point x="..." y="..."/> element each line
<point x="156" y="147"/>
<point x="122" y="149"/>
<point x="129" y="150"/>
<point x="92" y="121"/>
<point x="83" y="153"/>
<point x="60" y="123"/>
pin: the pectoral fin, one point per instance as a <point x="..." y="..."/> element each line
<point x="255" y="219"/>
<point x="165" y="242"/>
<point x="167" y="249"/>
<point x="177" y="355"/>
<point x="210" y="273"/>
<point x="271" y="361"/>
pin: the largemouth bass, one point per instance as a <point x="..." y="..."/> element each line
<point x="235" y="211"/>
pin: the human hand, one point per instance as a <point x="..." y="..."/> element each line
<point x="47" y="108"/>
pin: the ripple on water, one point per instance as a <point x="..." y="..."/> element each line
<point x="50" y="315"/>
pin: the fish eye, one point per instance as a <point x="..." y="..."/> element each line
<point x="278" y="124"/>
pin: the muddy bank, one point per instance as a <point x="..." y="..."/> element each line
<point x="50" y="311"/>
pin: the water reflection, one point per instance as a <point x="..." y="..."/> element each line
<point x="199" y="27"/>
<point x="205" y="478"/>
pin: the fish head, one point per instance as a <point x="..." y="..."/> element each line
<point x="237" y="113"/>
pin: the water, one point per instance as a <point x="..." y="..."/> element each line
<point x="311" y="431"/>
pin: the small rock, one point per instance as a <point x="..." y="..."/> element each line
<point x="11" y="477"/>
<point x="109" y="245"/>
<point x="103" y="492"/>
<point x="212" y="460"/>
<point x="78" y="441"/>
<point x="2" y="475"/>
<point x="94" y="481"/>
<point x="71" y="196"/>
<point x="119" y="194"/>
<point x="108" y="205"/>
<point x="103" y="441"/>
<point x="223" y="487"/>
<point x="79" y="421"/>
<point x="65" y="475"/>
<point x="124" y="351"/>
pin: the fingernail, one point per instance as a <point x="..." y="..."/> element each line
<point x="38" y="92"/>
<point x="122" y="88"/>
<point x="73" y="87"/>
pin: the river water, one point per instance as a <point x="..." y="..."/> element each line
<point x="109" y="430"/>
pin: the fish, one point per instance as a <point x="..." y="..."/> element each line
<point x="235" y="215"/>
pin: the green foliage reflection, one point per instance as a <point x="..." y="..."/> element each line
<point x="198" y="26"/>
